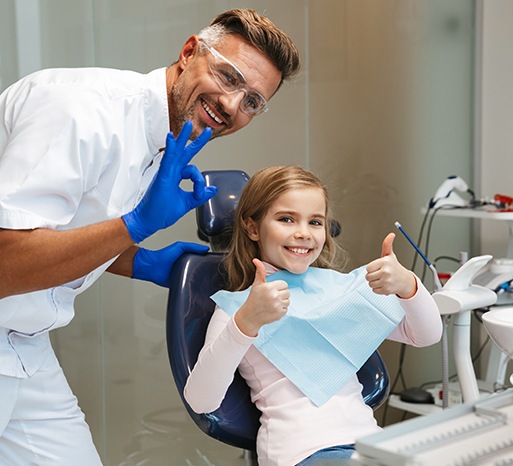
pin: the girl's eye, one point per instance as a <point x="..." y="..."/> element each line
<point x="285" y="220"/>
<point x="316" y="223"/>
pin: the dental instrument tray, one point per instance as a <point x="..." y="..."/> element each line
<point x="473" y="434"/>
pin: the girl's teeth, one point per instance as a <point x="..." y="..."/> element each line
<point x="299" y="251"/>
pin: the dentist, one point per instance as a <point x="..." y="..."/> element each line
<point x="89" y="169"/>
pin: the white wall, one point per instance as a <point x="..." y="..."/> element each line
<point x="494" y="129"/>
<point x="495" y="122"/>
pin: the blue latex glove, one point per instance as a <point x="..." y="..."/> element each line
<point x="165" y="202"/>
<point x="155" y="266"/>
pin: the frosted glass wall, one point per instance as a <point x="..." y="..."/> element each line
<point x="382" y="110"/>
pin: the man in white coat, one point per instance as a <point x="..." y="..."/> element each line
<point x="88" y="171"/>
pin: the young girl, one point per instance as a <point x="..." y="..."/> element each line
<point x="282" y="224"/>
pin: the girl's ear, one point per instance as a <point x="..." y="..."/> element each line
<point x="251" y="228"/>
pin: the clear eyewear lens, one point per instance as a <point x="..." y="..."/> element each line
<point x="231" y="80"/>
<point x="252" y="104"/>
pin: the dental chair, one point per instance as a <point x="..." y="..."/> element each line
<point x="194" y="279"/>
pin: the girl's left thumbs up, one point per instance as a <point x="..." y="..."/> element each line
<point x="387" y="276"/>
<point x="387" y="246"/>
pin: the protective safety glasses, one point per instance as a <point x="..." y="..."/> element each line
<point x="231" y="80"/>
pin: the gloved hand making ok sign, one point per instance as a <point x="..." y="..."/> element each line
<point x="165" y="202"/>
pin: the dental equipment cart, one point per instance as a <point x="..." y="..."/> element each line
<point x="497" y="360"/>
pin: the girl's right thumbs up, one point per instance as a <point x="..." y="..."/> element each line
<point x="260" y="272"/>
<point x="266" y="302"/>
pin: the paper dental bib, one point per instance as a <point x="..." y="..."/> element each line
<point x="333" y="324"/>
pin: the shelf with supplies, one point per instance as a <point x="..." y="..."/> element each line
<point x="422" y="409"/>
<point x="481" y="214"/>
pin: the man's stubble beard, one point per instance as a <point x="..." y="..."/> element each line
<point x="180" y="115"/>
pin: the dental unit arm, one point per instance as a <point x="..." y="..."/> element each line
<point x="459" y="297"/>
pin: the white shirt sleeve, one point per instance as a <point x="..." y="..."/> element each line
<point x="48" y="163"/>
<point x="422" y="323"/>
<point x="225" y="346"/>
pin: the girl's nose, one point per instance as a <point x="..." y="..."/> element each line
<point x="302" y="232"/>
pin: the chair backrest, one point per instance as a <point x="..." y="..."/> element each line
<point x="194" y="279"/>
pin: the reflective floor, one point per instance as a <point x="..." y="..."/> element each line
<point x="167" y="437"/>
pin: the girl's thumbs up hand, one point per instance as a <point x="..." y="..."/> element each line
<point x="266" y="303"/>
<point x="387" y="276"/>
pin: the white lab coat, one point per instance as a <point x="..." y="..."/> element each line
<point x="77" y="146"/>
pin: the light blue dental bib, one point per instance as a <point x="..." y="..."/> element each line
<point x="334" y="323"/>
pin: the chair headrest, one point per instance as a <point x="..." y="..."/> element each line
<point x="215" y="218"/>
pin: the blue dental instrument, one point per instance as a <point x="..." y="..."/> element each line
<point x="436" y="279"/>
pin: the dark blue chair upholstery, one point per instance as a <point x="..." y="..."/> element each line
<point x="194" y="279"/>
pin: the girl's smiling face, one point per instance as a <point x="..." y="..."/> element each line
<point x="292" y="233"/>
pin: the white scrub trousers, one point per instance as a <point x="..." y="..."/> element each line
<point x="41" y="423"/>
